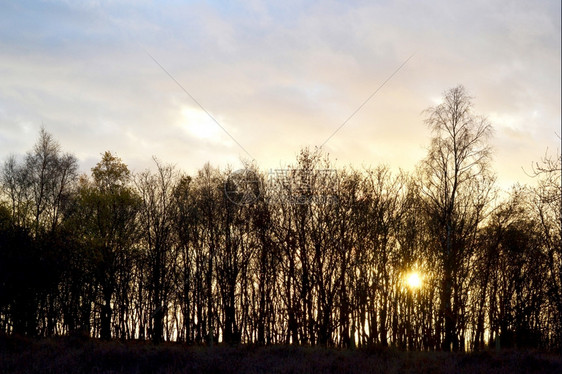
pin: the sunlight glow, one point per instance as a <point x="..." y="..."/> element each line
<point x="414" y="280"/>
<point x="198" y="124"/>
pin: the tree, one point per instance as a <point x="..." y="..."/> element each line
<point x="110" y="207"/>
<point x="210" y="190"/>
<point x="546" y="206"/>
<point x="38" y="188"/>
<point x="38" y="191"/>
<point x="456" y="185"/>
<point x="185" y="228"/>
<point x="156" y="192"/>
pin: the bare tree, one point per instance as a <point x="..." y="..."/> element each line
<point x="547" y="207"/>
<point x="156" y="214"/>
<point x="456" y="185"/>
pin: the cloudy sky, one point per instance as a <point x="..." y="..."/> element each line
<point x="277" y="75"/>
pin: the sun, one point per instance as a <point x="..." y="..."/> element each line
<point x="414" y="280"/>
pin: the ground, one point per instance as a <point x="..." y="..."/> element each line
<point x="78" y="355"/>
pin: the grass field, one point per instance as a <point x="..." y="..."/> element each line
<point x="75" y="355"/>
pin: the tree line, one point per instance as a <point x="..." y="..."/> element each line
<point x="305" y="255"/>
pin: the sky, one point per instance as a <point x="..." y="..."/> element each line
<point x="132" y="77"/>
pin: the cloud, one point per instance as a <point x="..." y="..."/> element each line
<point x="276" y="76"/>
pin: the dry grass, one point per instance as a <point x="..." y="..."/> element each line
<point x="76" y="355"/>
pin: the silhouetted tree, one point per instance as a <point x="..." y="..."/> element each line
<point x="546" y="205"/>
<point x="37" y="191"/>
<point x="156" y="213"/>
<point x="456" y="186"/>
<point x="110" y="207"/>
<point x="305" y="254"/>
